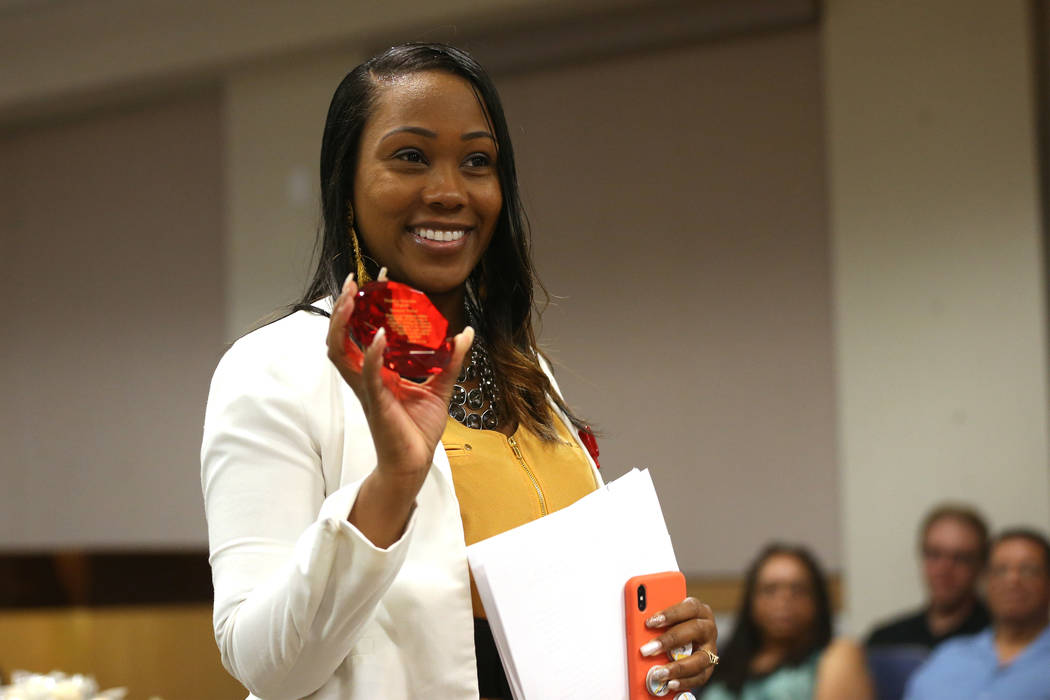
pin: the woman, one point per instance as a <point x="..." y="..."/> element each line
<point x="781" y="647"/>
<point x="340" y="497"/>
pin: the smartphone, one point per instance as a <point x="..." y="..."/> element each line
<point x="643" y="597"/>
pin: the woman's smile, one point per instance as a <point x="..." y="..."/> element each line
<point x="438" y="233"/>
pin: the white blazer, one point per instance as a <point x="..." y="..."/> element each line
<point x="305" y="605"/>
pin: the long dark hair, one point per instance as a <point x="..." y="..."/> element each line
<point x="499" y="294"/>
<point x="746" y="640"/>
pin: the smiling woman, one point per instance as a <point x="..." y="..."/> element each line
<point x="340" y="497"/>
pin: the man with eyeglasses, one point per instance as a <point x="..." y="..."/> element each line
<point x="1011" y="659"/>
<point x="953" y="546"/>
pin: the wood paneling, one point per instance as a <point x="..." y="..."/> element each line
<point x="723" y="593"/>
<point x="170" y="652"/>
<point x="167" y="652"/>
<point x="92" y="579"/>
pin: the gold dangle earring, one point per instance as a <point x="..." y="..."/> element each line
<point x="362" y="273"/>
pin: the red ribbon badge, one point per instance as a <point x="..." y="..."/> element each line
<point x="588" y="440"/>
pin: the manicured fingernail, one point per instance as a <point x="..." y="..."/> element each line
<point x="381" y="277"/>
<point x="651" y="648"/>
<point x="673" y="685"/>
<point x="656" y="620"/>
<point x="661" y="673"/>
<point x="380" y="334"/>
<point x="347" y="281"/>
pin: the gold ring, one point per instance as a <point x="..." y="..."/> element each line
<point x="712" y="657"/>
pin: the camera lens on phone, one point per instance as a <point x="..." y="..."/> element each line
<point x="641" y="597"/>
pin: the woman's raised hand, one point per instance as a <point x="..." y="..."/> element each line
<point x="406" y="420"/>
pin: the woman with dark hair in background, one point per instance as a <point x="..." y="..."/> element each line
<point x="781" y="646"/>
<point x="341" y="497"/>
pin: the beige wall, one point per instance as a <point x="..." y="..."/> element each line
<point x="940" y="311"/>
<point x="272" y="118"/>
<point x="682" y="232"/>
<point x="111" y="274"/>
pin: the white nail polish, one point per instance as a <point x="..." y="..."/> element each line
<point x="381" y="277"/>
<point x="381" y="333"/>
<point x="650" y="648"/>
<point x="673" y="685"/>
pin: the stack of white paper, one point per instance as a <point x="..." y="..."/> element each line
<point x="553" y="590"/>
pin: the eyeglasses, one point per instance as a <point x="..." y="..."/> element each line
<point x="959" y="558"/>
<point x="1028" y="572"/>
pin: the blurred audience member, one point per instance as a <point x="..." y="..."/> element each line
<point x="1011" y="659"/>
<point x="781" y="646"/>
<point x="953" y="544"/>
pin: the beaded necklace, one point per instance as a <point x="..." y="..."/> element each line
<point x="475" y="397"/>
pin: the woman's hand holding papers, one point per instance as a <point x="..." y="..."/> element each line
<point x="689" y="622"/>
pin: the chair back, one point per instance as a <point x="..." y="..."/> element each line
<point x="892" y="666"/>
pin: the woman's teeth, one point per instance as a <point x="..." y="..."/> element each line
<point x="432" y="235"/>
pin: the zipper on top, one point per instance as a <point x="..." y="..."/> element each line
<point x="528" y="472"/>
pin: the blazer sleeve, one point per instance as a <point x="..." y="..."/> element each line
<point x="295" y="582"/>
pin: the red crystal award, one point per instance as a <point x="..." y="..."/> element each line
<point x="417" y="342"/>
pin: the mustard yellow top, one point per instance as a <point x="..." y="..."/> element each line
<point x="503" y="482"/>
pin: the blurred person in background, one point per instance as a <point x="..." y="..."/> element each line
<point x="953" y="544"/>
<point x="1011" y="659"/>
<point x="782" y="645"/>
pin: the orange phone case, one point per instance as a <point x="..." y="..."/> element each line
<point x="661" y="591"/>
